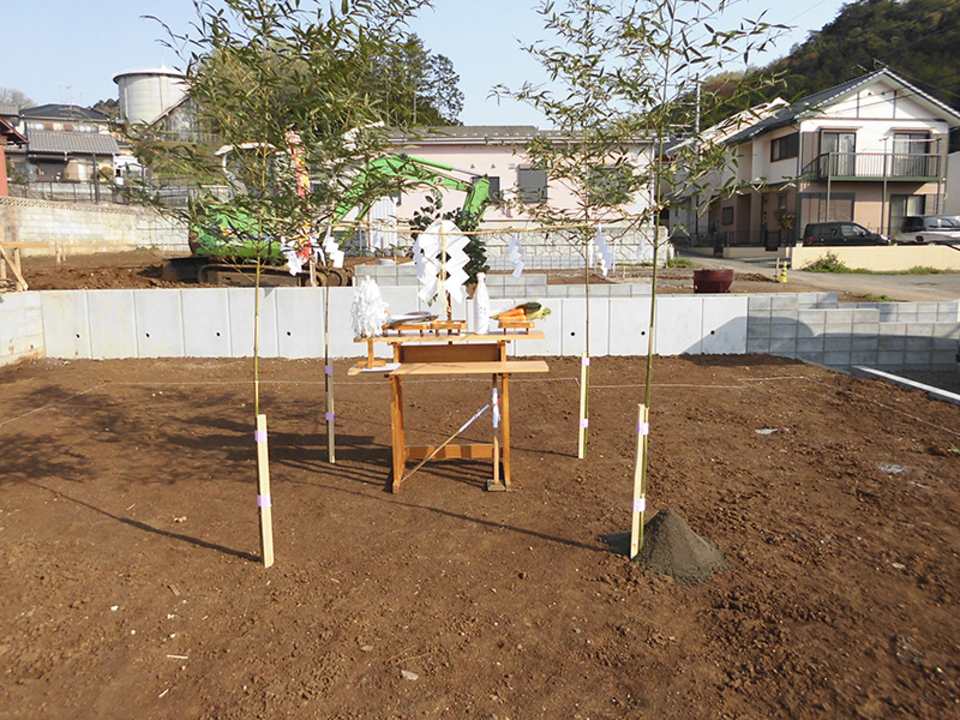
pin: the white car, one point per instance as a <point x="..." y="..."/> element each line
<point x="920" y="229"/>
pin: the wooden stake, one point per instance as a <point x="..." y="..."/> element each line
<point x="14" y="263"/>
<point x="639" y="484"/>
<point x="264" y="502"/>
<point x="584" y="420"/>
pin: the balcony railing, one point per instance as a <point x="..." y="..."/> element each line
<point x="877" y="166"/>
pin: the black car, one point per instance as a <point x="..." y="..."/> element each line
<point x="840" y="233"/>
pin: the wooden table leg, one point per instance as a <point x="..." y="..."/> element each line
<point x="397" y="435"/>
<point x="505" y="427"/>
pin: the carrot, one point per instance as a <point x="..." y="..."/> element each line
<point x="513" y="315"/>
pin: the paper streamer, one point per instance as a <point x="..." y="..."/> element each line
<point x="585" y="423"/>
<point x="329" y="417"/>
<point x="263" y="501"/>
<point x="603" y="249"/>
<point x="639" y="505"/>
<point x="260" y="436"/>
<point x="496" y="409"/>
<point x="332" y="248"/>
<point x="515" y="253"/>
<point x="643" y="428"/>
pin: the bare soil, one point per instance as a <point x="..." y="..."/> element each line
<point x="132" y="588"/>
<point x="142" y="269"/>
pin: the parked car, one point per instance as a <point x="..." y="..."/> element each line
<point x="921" y="229"/>
<point x="840" y="233"/>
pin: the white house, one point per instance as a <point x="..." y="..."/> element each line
<point x="870" y="150"/>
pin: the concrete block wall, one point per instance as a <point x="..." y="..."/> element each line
<point x="528" y="285"/>
<point x="85" y="228"/>
<point x="886" y="336"/>
<point x="218" y="322"/>
<point x="21" y="327"/>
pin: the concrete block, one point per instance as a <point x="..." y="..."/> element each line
<point x="724" y="329"/>
<point x="837" y="359"/>
<point x="758" y="346"/>
<point x="573" y="332"/>
<point x="866" y="328"/>
<point x="864" y="357"/>
<point x="892" y="342"/>
<point x="893" y="329"/>
<point x="159" y="322"/>
<point x="837" y="343"/>
<point x="755" y="330"/>
<point x="630" y="326"/>
<point x="784" y="347"/>
<point x="641" y="290"/>
<point x="21" y="326"/>
<point x="300" y="313"/>
<point x="919" y="344"/>
<point x="113" y="324"/>
<point x="864" y="343"/>
<point x="784" y="302"/>
<point x="778" y="332"/>
<point x="891" y="358"/>
<point x="759" y="303"/>
<point x="206" y="322"/>
<point x="810" y="345"/>
<point x="810" y="357"/>
<point x="679" y="325"/>
<point x="917" y="360"/>
<point x="866" y="315"/>
<point x="242" y="305"/>
<point x="552" y="291"/>
<point x="784" y="317"/>
<point x="599" y="327"/>
<point x="839" y="319"/>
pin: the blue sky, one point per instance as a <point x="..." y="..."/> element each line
<point x="61" y="51"/>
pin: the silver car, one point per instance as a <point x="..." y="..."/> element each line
<point x="921" y="229"/>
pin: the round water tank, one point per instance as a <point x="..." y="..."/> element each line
<point x="146" y="94"/>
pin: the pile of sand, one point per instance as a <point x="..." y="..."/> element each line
<point x="671" y="547"/>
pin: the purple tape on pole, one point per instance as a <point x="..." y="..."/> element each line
<point x="260" y="436"/>
<point x="496" y="409"/>
<point x="585" y="423"/>
<point x="643" y="428"/>
<point x="585" y="361"/>
<point x="639" y="505"/>
<point x="329" y="417"/>
<point x="328" y="369"/>
<point x="263" y="501"/>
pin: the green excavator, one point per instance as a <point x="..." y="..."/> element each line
<point x="224" y="241"/>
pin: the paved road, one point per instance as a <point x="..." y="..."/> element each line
<point x="903" y="288"/>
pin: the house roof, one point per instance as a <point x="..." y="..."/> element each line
<point x="65" y="142"/>
<point x="811" y="104"/>
<point x="63" y="112"/>
<point x="10" y="135"/>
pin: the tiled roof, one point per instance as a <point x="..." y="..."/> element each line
<point x="812" y="103"/>
<point x="60" y="141"/>
<point x="63" y="112"/>
<point x="9" y="134"/>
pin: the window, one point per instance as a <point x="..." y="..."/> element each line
<point x="814" y="207"/>
<point x="531" y="185"/>
<point x="902" y="206"/>
<point x="785" y="147"/>
<point x="496" y="196"/>
<point x="840" y="147"/>
<point x="911" y="152"/>
<point x="726" y="216"/>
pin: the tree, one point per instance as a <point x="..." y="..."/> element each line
<point x="620" y="74"/>
<point x="10" y="96"/>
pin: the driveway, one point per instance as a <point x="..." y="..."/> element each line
<point x="902" y="288"/>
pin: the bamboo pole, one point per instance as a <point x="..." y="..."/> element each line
<point x="264" y="503"/>
<point x="639" y="482"/>
<point x="584" y="400"/>
<point x="328" y="378"/>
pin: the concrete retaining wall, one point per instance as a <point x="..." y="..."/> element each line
<point x="85" y="228"/>
<point x="886" y="336"/>
<point x="218" y="322"/>
<point x="21" y="327"/>
<point x="896" y="258"/>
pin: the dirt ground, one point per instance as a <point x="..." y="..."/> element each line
<point x="142" y="269"/>
<point x="131" y="587"/>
